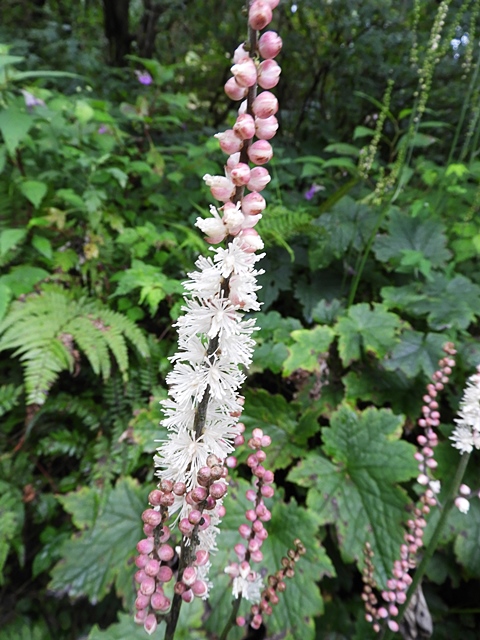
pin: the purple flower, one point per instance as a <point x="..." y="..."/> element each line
<point x="30" y="100"/>
<point x="315" y="188"/>
<point x="144" y="77"/>
<point x="102" y="129"/>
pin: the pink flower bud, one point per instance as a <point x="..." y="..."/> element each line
<point x="201" y="557"/>
<point x="218" y="490"/>
<point x="239" y="440"/>
<point x="141" y="561"/>
<point x="269" y="44"/>
<point x="154" y="497"/>
<point x="259" y="15"/>
<point x="268" y="74"/>
<point x="253" y="203"/>
<point x="244" y="531"/>
<point x="221" y="511"/>
<point x="167" y="499"/>
<point x="152" y="517"/>
<point x="234" y="91"/>
<point x="185" y="526"/>
<point x="266" y="128"/>
<point x="147" y="587"/>
<point x="152" y="567"/>
<point x="165" y="574"/>
<point x="267" y="491"/>
<point x="231" y="462"/>
<point x="240" y="175"/>
<point x="244" y="126"/>
<point x="259" y="178"/>
<point x="240" y="550"/>
<point x="229" y="141"/>
<point x="148" y="529"/>
<point x="265" y="105"/>
<point x="251" y="240"/>
<point x="159" y="602"/>
<point x="150" y="623"/>
<point x="189" y="575"/>
<point x="165" y="553"/>
<point x="206" y="522"/>
<point x="145" y="546"/>
<point x="256" y="556"/>
<point x="240" y="53"/>
<point x="140" y="616"/>
<point x="194" y="516"/>
<point x="222" y="188"/>
<point x="245" y="72"/>
<point x="142" y="601"/>
<point x="200" y="588"/>
<point x="179" y="488"/>
<point x="233" y="160"/>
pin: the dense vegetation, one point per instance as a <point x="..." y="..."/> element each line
<point x="372" y="240"/>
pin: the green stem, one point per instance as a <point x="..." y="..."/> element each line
<point x="232" y="618"/>
<point x="432" y="545"/>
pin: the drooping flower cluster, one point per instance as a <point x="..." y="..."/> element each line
<point x="215" y="341"/>
<point x="398" y="584"/>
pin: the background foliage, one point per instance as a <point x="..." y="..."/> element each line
<point x="373" y="244"/>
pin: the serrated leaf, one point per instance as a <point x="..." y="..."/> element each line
<point x="277" y="418"/>
<point x="416" y="353"/>
<point x="34" y="191"/>
<point x="292" y="617"/>
<point x="98" y="557"/>
<point x="448" y="304"/>
<point x="14" y="126"/>
<point x="357" y="490"/>
<point x="417" y="234"/>
<point x="309" y="345"/>
<point x="366" y="330"/>
<point x="10" y="238"/>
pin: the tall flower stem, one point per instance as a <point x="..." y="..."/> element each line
<point x="432" y="545"/>
<point x="233" y="616"/>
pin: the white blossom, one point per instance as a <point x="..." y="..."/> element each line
<point x="466" y="435"/>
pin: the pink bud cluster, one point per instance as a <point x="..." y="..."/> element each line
<point x="398" y="584"/>
<point x="276" y="584"/>
<point x="247" y="142"/>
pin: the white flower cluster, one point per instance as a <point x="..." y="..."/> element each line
<point x="466" y="435"/>
<point x="214" y="347"/>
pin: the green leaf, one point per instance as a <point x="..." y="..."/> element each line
<point x="278" y="419"/>
<point x="362" y="132"/>
<point x="10" y="238"/>
<point x="416" y="353"/>
<point x="23" y="628"/>
<point x="309" y="345"/>
<point x="357" y="491"/>
<point x="407" y="233"/>
<point x="448" y="304"/>
<point x="23" y="278"/>
<point x="5" y="297"/>
<point x="366" y="330"/>
<point x="11" y="516"/>
<point x="100" y="555"/>
<point x="43" y="246"/>
<point x="83" y="111"/>
<point x="34" y="191"/>
<point x="14" y="126"/>
<point x="292" y="617"/>
<point x="343" y="149"/>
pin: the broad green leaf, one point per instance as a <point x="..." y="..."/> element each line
<point x="448" y="304"/>
<point x="343" y="149"/>
<point x="83" y="111"/>
<point x="34" y="191"/>
<point x="100" y="556"/>
<point x="415" y="353"/>
<point x="292" y="617"/>
<point x="357" y="490"/>
<point x="7" y="59"/>
<point x="10" y="238"/>
<point x="457" y="169"/>
<point x="278" y="419"/>
<point x="23" y="278"/>
<point x="14" y="126"/>
<point x="362" y="132"/>
<point x="406" y="233"/>
<point x="271" y="356"/>
<point x="42" y="245"/>
<point x="366" y="330"/>
<point x="309" y="345"/>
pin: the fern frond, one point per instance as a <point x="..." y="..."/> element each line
<point x="42" y="366"/>
<point x="91" y="342"/>
<point x="282" y="224"/>
<point x="128" y="328"/>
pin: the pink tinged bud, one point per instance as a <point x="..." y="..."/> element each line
<point x="150" y="623"/>
<point x="464" y="490"/>
<point x="165" y="552"/>
<point x="152" y="517"/>
<point x="195" y="516"/>
<point x="200" y="588"/>
<point x="140" y="616"/>
<point x="199" y="494"/>
<point x="268" y="74"/>
<point x="231" y="462"/>
<point x="240" y="53"/>
<point x="240" y="621"/>
<point x="189" y="576"/>
<point x="266" y="128"/>
<point x="260" y="152"/>
<point x="267" y="491"/>
<point x="165" y="534"/>
<point x="238" y="441"/>
<point x="265" y="105"/>
<point x="262" y="534"/>
<point x="159" y="602"/>
<point x="256" y="622"/>
<point x="269" y="44"/>
<point x="206" y="522"/>
<point x="145" y="546"/>
<point x="393" y="626"/>
<point x="259" y="471"/>
<point x="221" y="511"/>
<point x="254" y="545"/>
<point x="218" y="490"/>
<point x="268" y="477"/>
<point x="259" y="15"/>
<point x="259" y="178"/>
<point x="422" y="479"/>
<point x="256" y="556"/>
<point x="148" y="529"/>
<point x="201" y="557"/>
<point x="462" y="504"/>
<point x="142" y="601"/>
<point x="147" y="587"/>
<point x="152" y="567"/>
<point x="244" y="531"/>
<point x="154" y="497"/>
<point x="251" y="495"/>
<point x="221" y="187"/>
<point x="401" y="597"/>
<point x="140" y="575"/>
<point x="165" y="574"/>
<point x="240" y="550"/>
<point x="244" y="126"/>
<point x="185" y="526"/>
<point x="252" y="460"/>
<point x="141" y="561"/>
<point x="229" y="141"/>
<point x="179" y="488"/>
<point x="245" y="72"/>
<point x="240" y="175"/>
<point x="253" y="204"/>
